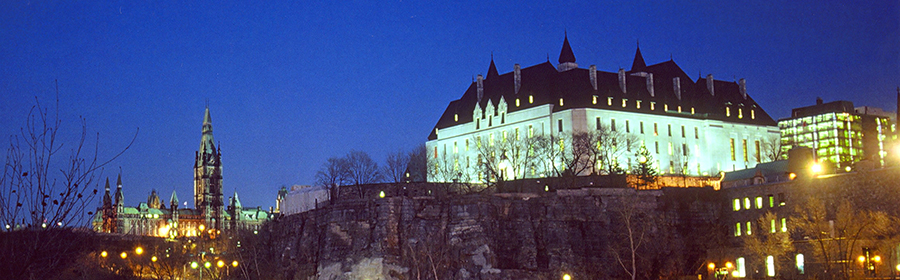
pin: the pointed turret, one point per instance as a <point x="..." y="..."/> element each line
<point x="153" y="200"/>
<point x="236" y="202"/>
<point x="107" y="199"/>
<point x="208" y="198"/>
<point x="120" y="197"/>
<point x="638" y="65"/>
<point x="492" y="70"/>
<point x="173" y="200"/>
<point x="566" y="56"/>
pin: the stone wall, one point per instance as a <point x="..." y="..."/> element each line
<point x="583" y="233"/>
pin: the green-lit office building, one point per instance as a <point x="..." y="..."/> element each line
<point x="839" y="134"/>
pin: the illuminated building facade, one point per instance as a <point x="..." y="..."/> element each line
<point x="839" y="134"/>
<point x="708" y="125"/>
<point x="156" y="218"/>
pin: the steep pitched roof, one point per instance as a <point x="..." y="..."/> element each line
<point x="566" y="54"/>
<point x="545" y="85"/>
<point x="492" y="70"/>
<point x="638" y="63"/>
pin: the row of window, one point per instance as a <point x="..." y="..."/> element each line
<point x="613" y="127"/>
<point x="773" y="227"/>
<point x="744" y="151"/>
<point x="759" y="202"/>
<point x="740" y="269"/>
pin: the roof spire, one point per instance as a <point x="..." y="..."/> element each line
<point x="638" y="64"/>
<point x="492" y="70"/>
<point x="566" y="54"/>
<point x="119" y="180"/>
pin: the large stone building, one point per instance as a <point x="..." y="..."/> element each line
<point x="839" y="134"/>
<point x="210" y="217"/>
<point x="695" y="127"/>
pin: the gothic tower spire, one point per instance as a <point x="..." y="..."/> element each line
<point x="208" y="198"/>
<point x="566" y="57"/>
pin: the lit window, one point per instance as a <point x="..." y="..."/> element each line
<point x="732" y="148"/>
<point x="740" y="113"/>
<point x="753" y="117"/>
<point x="594" y="100"/>
<point x="737" y="229"/>
<point x="455" y="148"/>
<point x="517" y="133"/>
<point x="744" y="149"/>
<point x="783" y="224"/>
<point x="609" y="101"/>
<point x="757" y="154"/>
<point x="655" y="129"/>
<point x="737" y="204"/>
<point x="801" y="263"/>
<point x="727" y="111"/>
<point x="561" y="102"/>
<point x="772" y="226"/>
<point x="692" y="110"/>
<point x="638" y="104"/>
<point x="530" y="131"/>
<point x="491" y="140"/>
<point x="666" y="107"/>
<point x="748" y="229"/>
<point x="770" y="266"/>
<point x="467" y="146"/>
<point x="771" y="201"/>
<point x="679" y="108"/>
<point x="624" y="102"/>
<point x="746" y="203"/>
<point x="682" y="131"/>
<point x="530" y="99"/>
<point x="656" y="147"/>
<point x="740" y="270"/>
<point x="504" y="136"/>
<point x="652" y="106"/>
<point x="670" y="130"/>
<point x="670" y="150"/>
<point x="517" y="102"/>
<point x="456" y="117"/>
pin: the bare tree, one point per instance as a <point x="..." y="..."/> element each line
<point x="611" y="147"/>
<point x="770" y="240"/>
<point x="681" y="161"/>
<point x="362" y="170"/>
<point x="41" y="193"/>
<point x="769" y="150"/>
<point x="334" y="173"/>
<point x="395" y="167"/>
<point x="417" y="168"/>
<point x="634" y="230"/>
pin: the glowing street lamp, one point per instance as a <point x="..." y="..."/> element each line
<point x="567" y="277"/>
<point x="728" y="265"/>
<point x="235" y="264"/>
<point x="220" y="263"/>
<point x="381" y="194"/>
<point x="123" y="255"/>
<point x="816" y="168"/>
<point x="207" y="264"/>
<point x="103" y="254"/>
<point x="139" y="250"/>
<point x="194" y="265"/>
<point x="153" y="259"/>
<point x="861" y="258"/>
<point x="712" y="266"/>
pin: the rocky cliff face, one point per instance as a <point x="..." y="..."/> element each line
<point x="586" y="233"/>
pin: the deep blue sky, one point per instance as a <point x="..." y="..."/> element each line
<point x="291" y="84"/>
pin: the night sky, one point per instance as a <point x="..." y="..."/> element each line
<point x="291" y="84"/>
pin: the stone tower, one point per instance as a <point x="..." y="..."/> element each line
<point x="208" y="198"/>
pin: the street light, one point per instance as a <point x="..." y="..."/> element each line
<point x="712" y="266"/>
<point x="235" y="264"/>
<point x="103" y="254"/>
<point x="194" y="265"/>
<point x="139" y="250"/>
<point x="816" y="168"/>
<point x="567" y="277"/>
<point x="220" y="263"/>
<point x="153" y="259"/>
<point x="123" y="255"/>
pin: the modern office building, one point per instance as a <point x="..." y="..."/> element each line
<point x="839" y="134"/>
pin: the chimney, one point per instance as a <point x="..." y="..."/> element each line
<point x="709" y="85"/>
<point x="594" y="76"/>
<point x="676" y="87"/>
<point x="650" y="84"/>
<point x="622" y="79"/>
<point x="480" y="82"/>
<point x="518" y="77"/>
<point x="819" y="101"/>
<point x="743" y="84"/>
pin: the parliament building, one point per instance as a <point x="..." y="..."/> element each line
<point x="210" y="217"/>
